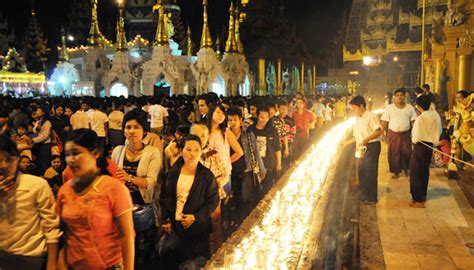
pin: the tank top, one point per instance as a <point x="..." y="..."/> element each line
<point x="219" y="143"/>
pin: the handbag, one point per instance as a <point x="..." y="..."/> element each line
<point x="168" y="243"/>
<point x="143" y="217"/>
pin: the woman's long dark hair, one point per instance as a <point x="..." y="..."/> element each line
<point x="87" y="138"/>
<point x="223" y="125"/>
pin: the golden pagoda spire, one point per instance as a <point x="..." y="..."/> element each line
<point x="206" y="40"/>
<point x="190" y="43"/>
<point x="96" y="39"/>
<point x="240" y="46"/>
<point x="121" y="40"/>
<point x="161" y="38"/>
<point x="63" y="55"/>
<point x="218" y="48"/>
<point x="231" y="44"/>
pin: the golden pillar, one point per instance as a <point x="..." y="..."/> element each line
<point x="302" y="78"/>
<point x="279" y="86"/>
<point x="262" y="84"/>
<point x="464" y="69"/>
<point x="314" y="79"/>
<point x="438" y="56"/>
<point x="450" y="44"/>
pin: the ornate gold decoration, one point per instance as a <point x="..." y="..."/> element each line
<point x="407" y="46"/>
<point x="379" y="19"/>
<point x="465" y="41"/>
<point x="121" y="39"/>
<point x="190" y="42"/>
<point x="348" y="56"/>
<point x="381" y="6"/>
<point x="63" y="55"/>
<point x="240" y="46"/>
<point x="206" y="40"/>
<point x="231" y="44"/>
<point x="96" y="39"/>
<point x="161" y="38"/>
<point x="138" y="41"/>
<point x="403" y="18"/>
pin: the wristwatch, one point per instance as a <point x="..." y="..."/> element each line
<point x="131" y="179"/>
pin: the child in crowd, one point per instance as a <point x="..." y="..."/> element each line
<point x="53" y="174"/>
<point x="23" y="141"/>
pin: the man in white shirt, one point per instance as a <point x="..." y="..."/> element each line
<point x="79" y="118"/>
<point x="29" y="224"/>
<point x="158" y="115"/>
<point x="116" y="136"/>
<point x="99" y="123"/>
<point x="367" y="134"/>
<point x="425" y="134"/>
<point x="397" y="120"/>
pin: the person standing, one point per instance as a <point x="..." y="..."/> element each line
<point x="99" y="123"/>
<point x="303" y="121"/>
<point x="367" y="135"/>
<point x="268" y="146"/>
<point x="138" y="168"/>
<point x="96" y="210"/>
<point x="425" y="134"/>
<point x="116" y="136"/>
<point x="29" y="224"/>
<point x="189" y="198"/>
<point x="246" y="168"/>
<point x="397" y="120"/>
<point x="158" y="115"/>
<point x="42" y="140"/>
<point x="340" y="110"/>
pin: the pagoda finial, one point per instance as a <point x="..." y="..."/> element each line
<point x="240" y="46"/>
<point x="63" y="55"/>
<point x="121" y="40"/>
<point x="231" y="44"/>
<point x="96" y="39"/>
<point x="218" y="47"/>
<point x="161" y="38"/>
<point x="190" y="43"/>
<point x="206" y="40"/>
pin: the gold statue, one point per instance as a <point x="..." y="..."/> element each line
<point x="169" y="25"/>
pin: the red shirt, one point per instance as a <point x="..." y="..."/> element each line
<point x="93" y="237"/>
<point x="302" y="123"/>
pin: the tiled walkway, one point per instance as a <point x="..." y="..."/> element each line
<point x="431" y="238"/>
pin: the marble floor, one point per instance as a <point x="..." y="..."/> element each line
<point x="434" y="237"/>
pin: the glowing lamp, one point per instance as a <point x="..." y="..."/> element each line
<point x="369" y="60"/>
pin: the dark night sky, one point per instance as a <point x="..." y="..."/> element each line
<point x="316" y="20"/>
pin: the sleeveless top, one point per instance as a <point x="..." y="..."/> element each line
<point x="219" y="143"/>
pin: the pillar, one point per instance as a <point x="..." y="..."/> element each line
<point x="314" y="79"/>
<point x="302" y="90"/>
<point x="450" y="44"/>
<point x="464" y="69"/>
<point x="262" y="84"/>
<point x="438" y="69"/>
<point x="279" y="86"/>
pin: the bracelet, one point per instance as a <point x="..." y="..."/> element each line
<point x="132" y="178"/>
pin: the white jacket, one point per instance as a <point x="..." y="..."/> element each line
<point x="148" y="167"/>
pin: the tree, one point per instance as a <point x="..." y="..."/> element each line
<point x="36" y="48"/>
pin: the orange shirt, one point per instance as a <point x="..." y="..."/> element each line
<point x="303" y="123"/>
<point x="93" y="236"/>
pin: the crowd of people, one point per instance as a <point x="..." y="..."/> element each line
<point x="147" y="182"/>
<point x="142" y="182"/>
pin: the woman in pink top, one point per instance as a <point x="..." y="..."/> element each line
<point x="221" y="139"/>
<point x="96" y="209"/>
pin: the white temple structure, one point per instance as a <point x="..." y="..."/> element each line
<point x="140" y="67"/>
